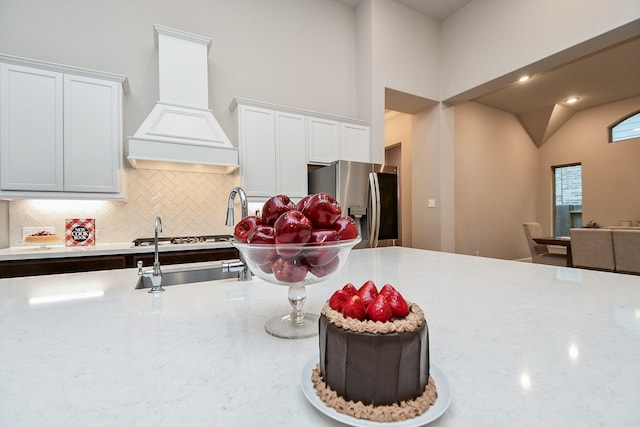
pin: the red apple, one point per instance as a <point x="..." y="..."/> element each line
<point x="292" y="227"/>
<point x="267" y="267"/>
<point x="274" y="207"/>
<point x="302" y="202"/>
<point x="346" y="228"/>
<point x="323" y="255"/>
<point x="262" y="235"/>
<point x="244" y="227"/>
<point x="289" y="270"/>
<point x="326" y="269"/>
<point x="322" y="209"/>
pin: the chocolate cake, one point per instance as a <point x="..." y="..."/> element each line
<point x="381" y="365"/>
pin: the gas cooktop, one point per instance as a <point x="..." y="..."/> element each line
<point x="183" y="240"/>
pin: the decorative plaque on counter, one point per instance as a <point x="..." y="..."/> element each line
<point x="80" y="232"/>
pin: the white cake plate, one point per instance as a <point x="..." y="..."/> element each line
<point x="432" y="414"/>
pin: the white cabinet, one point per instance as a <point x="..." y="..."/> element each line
<point x="291" y="160"/>
<point x="323" y="139"/>
<point x="257" y="143"/>
<point x="330" y="140"/>
<point x="31" y="136"/>
<point x="356" y="142"/>
<point x="60" y="132"/>
<point x="92" y="137"/>
<point x="276" y="143"/>
<point x="272" y="151"/>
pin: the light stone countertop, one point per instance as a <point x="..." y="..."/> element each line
<point x="521" y="345"/>
<point x="61" y="251"/>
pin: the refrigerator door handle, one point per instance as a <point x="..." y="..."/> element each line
<point x="374" y="188"/>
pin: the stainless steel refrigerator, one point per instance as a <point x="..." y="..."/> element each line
<point x="368" y="193"/>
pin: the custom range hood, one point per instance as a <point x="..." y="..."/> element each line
<point x="181" y="133"/>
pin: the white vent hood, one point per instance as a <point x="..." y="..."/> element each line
<point x="180" y="133"/>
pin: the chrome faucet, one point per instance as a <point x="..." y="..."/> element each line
<point x="243" y="204"/>
<point x="240" y="266"/>
<point x="155" y="274"/>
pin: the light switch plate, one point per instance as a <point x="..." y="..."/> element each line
<point x="431" y="203"/>
<point x="27" y="231"/>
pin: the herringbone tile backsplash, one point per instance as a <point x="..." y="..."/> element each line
<point x="188" y="203"/>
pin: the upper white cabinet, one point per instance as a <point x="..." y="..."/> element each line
<point x="31" y="129"/>
<point x="92" y="141"/>
<point x="356" y="142"/>
<point x="272" y="150"/>
<point x="60" y="131"/>
<point x="292" y="153"/>
<point x="323" y="140"/>
<point x="337" y="139"/>
<point x="276" y="143"/>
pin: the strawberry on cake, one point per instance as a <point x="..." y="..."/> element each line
<point x="374" y="355"/>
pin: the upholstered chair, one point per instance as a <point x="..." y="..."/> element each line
<point x="626" y="250"/>
<point x="592" y="248"/>
<point x="540" y="253"/>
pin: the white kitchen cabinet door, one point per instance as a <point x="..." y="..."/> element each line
<point x="257" y="135"/>
<point x="292" y="154"/>
<point x="356" y="142"/>
<point x="92" y="139"/>
<point x="31" y="129"/>
<point x="323" y="140"/>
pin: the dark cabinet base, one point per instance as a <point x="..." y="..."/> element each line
<point x="37" y="267"/>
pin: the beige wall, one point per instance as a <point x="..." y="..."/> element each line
<point x="495" y="176"/>
<point x="420" y="172"/>
<point x="610" y="172"/>
<point x="502" y="180"/>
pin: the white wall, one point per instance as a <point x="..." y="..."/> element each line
<point x="405" y="57"/>
<point x="289" y="52"/>
<point x="487" y="39"/>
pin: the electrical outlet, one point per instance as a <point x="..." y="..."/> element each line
<point x="431" y="203"/>
<point x="28" y="231"/>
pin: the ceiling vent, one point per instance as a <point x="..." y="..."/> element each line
<point x="181" y="133"/>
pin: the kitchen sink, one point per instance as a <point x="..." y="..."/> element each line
<point x="191" y="274"/>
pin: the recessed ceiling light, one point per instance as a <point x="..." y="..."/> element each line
<point x="524" y="79"/>
<point x="572" y="100"/>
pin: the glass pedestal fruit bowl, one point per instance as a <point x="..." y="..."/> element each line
<point x="295" y="266"/>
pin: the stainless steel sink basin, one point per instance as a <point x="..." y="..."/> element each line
<point x="188" y="275"/>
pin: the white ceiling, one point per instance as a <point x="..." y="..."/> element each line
<point x="436" y="9"/>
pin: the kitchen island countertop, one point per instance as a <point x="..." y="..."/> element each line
<point x="521" y="345"/>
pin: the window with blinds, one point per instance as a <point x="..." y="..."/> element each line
<point x="627" y="128"/>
